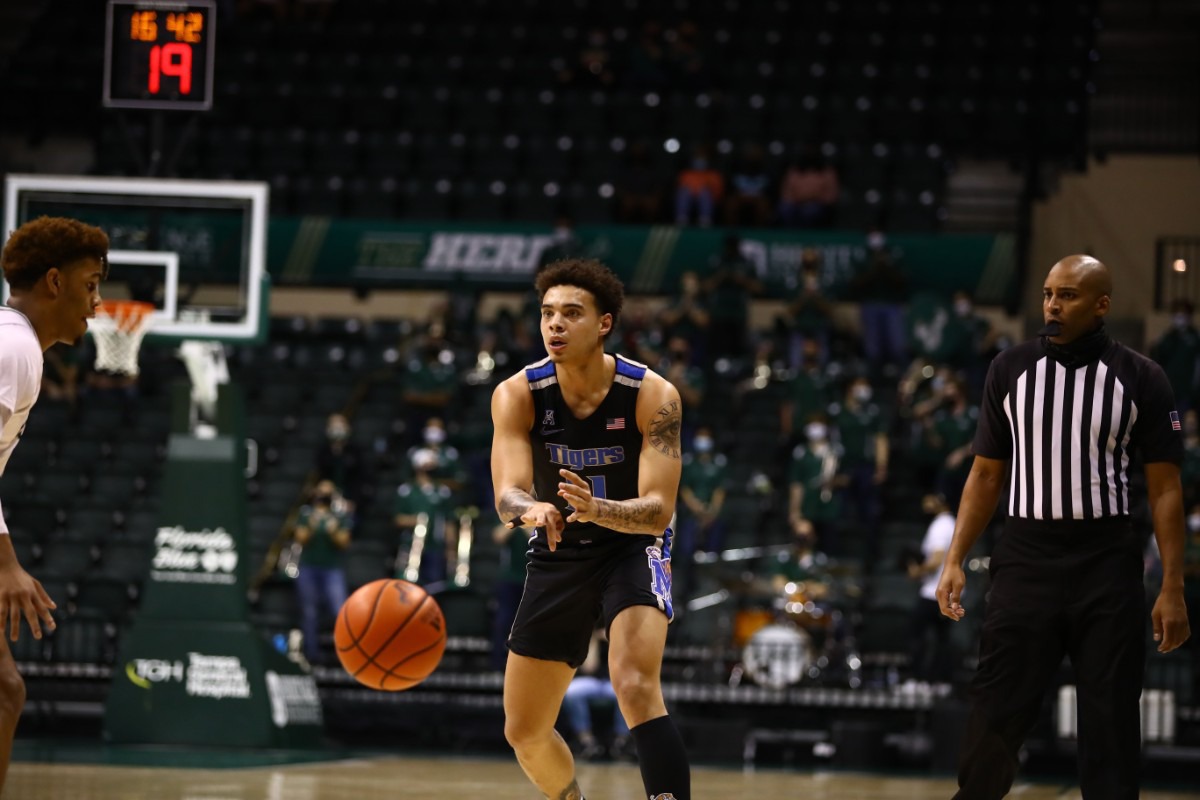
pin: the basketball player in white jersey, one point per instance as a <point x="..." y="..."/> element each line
<point x="53" y="267"/>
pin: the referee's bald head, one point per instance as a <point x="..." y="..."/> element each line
<point x="1089" y="273"/>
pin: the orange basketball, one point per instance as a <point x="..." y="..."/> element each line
<point x="390" y="635"/>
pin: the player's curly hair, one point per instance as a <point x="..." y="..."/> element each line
<point x="48" y="242"/>
<point x="588" y="274"/>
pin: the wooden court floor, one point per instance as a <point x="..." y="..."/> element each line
<point x="431" y="779"/>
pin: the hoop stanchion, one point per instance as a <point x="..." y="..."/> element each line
<point x="118" y="329"/>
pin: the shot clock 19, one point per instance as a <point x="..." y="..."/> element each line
<point x="159" y="54"/>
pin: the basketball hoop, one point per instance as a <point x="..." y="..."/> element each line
<point x="118" y="330"/>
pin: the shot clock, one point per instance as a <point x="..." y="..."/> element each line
<point x="159" y="54"/>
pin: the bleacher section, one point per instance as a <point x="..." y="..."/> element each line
<point x="490" y="118"/>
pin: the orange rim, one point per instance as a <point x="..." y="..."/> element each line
<point x="127" y="314"/>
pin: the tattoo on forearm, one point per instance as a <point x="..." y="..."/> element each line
<point x="513" y="504"/>
<point x="638" y="515"/>
<point x="664" y="429"/>
<point x="571" y="792"/>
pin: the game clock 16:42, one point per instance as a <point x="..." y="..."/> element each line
<point x="159" y="54"/>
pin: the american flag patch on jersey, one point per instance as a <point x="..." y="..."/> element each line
<point x="1175" y="426"/>
<point x="618" y="424"/>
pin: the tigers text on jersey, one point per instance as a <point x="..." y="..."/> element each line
<point x="603" y="449"/>
<point x="1069" y="432"/>
<point x="20" y="381"/>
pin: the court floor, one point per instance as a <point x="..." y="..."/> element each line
<point x="431" y="778"/>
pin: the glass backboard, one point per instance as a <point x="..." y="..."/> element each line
<point x="214" y="230"/>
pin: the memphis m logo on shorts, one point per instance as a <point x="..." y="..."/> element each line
<point x="660" y="584"/>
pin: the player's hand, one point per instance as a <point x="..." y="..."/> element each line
<point x="21" y="593"/>
<point x="949" y="591"/>
<point x="578" y="494"/>
<point x="1170" y="620"/>
<point x="543" y="515"/>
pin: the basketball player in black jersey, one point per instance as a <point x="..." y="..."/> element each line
<point x="586" y="452"/>
<point x="1061" y="417"/>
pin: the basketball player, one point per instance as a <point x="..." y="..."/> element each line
<point x="53" y="267"/>
<point x="1068" y="410"/>
<point x="587" y="453"/>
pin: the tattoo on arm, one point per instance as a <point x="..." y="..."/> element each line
<point x="571" y="792"/>
<point x="513" y="504"/>
<point x="664" y="429"/>
<point x="637" y="515"/>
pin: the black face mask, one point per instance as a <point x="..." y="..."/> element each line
<point x="1084" y="350"/>
<point x="323" y="499"/>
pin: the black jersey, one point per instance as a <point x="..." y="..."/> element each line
<point x="1070" y="432"/>
<point x="603" y="449"/>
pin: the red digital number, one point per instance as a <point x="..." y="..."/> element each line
<point x="173" y="60"/>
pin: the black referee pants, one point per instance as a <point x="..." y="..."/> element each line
<point x="1060" y="587"/>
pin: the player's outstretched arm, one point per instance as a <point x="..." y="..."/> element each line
<point x="980" y="495"/>
<point x="660" y="417"/>
<point x="21" y="594"/>
<point x="512" y="462"/>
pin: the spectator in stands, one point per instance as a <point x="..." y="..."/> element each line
<point x="638" y="188"/>
<point x="1178" y="352"/>
<point x="810" y="313"/>
<point x="341" y="461"/>
<point x="591" y="684"/>
<point x="527" y="338"/>
<point x="731" y="284"/>
<point x="702" y="489"/>
<point x="930" y="656"/>
<point x="593" y="67"/>
<point x="700" y="188"/>
<point x="323" y="533"/>
<point x="509" y="583"/>
<point x="686" y="64"/>
<point x="1189" y="472"/>
<point x="808" y="192"/>
<point x="969" y="342"/>
<point x="947" y="422"/>
<point x="809" y="392"/>
<point x="748" y="201"/>
<point x="567" y="243"/>
<point x="688" y="316"/>
<point x="862" y="432"/>
<point x="425" y="496"/>
<point x="640" y="333"/>
<point x="815" y="479"/>
<point x="801" y="562"/>
<point x="430" y="381"/>
<point x="801" y="576"/>
<point x="647" y="69"/>
<point x="880" y="288"/>
<point x="448" y="470"/>
<point x="678" y="367"/>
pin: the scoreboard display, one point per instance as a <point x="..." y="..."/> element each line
<point x="159" y="54"/>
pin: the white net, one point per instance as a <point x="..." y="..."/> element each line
<point x="118" y="330"/>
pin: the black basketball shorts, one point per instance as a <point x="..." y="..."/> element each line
<point x="568" y="591"/>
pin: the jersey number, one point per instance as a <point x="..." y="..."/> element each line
<point x="599" y="486"/>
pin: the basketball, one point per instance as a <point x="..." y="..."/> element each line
<point x="390" y="635"/>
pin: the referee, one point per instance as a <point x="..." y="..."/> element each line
<point x="1067" y="412"/>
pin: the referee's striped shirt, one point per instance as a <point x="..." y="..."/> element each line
<point x="1069" y="432"/>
